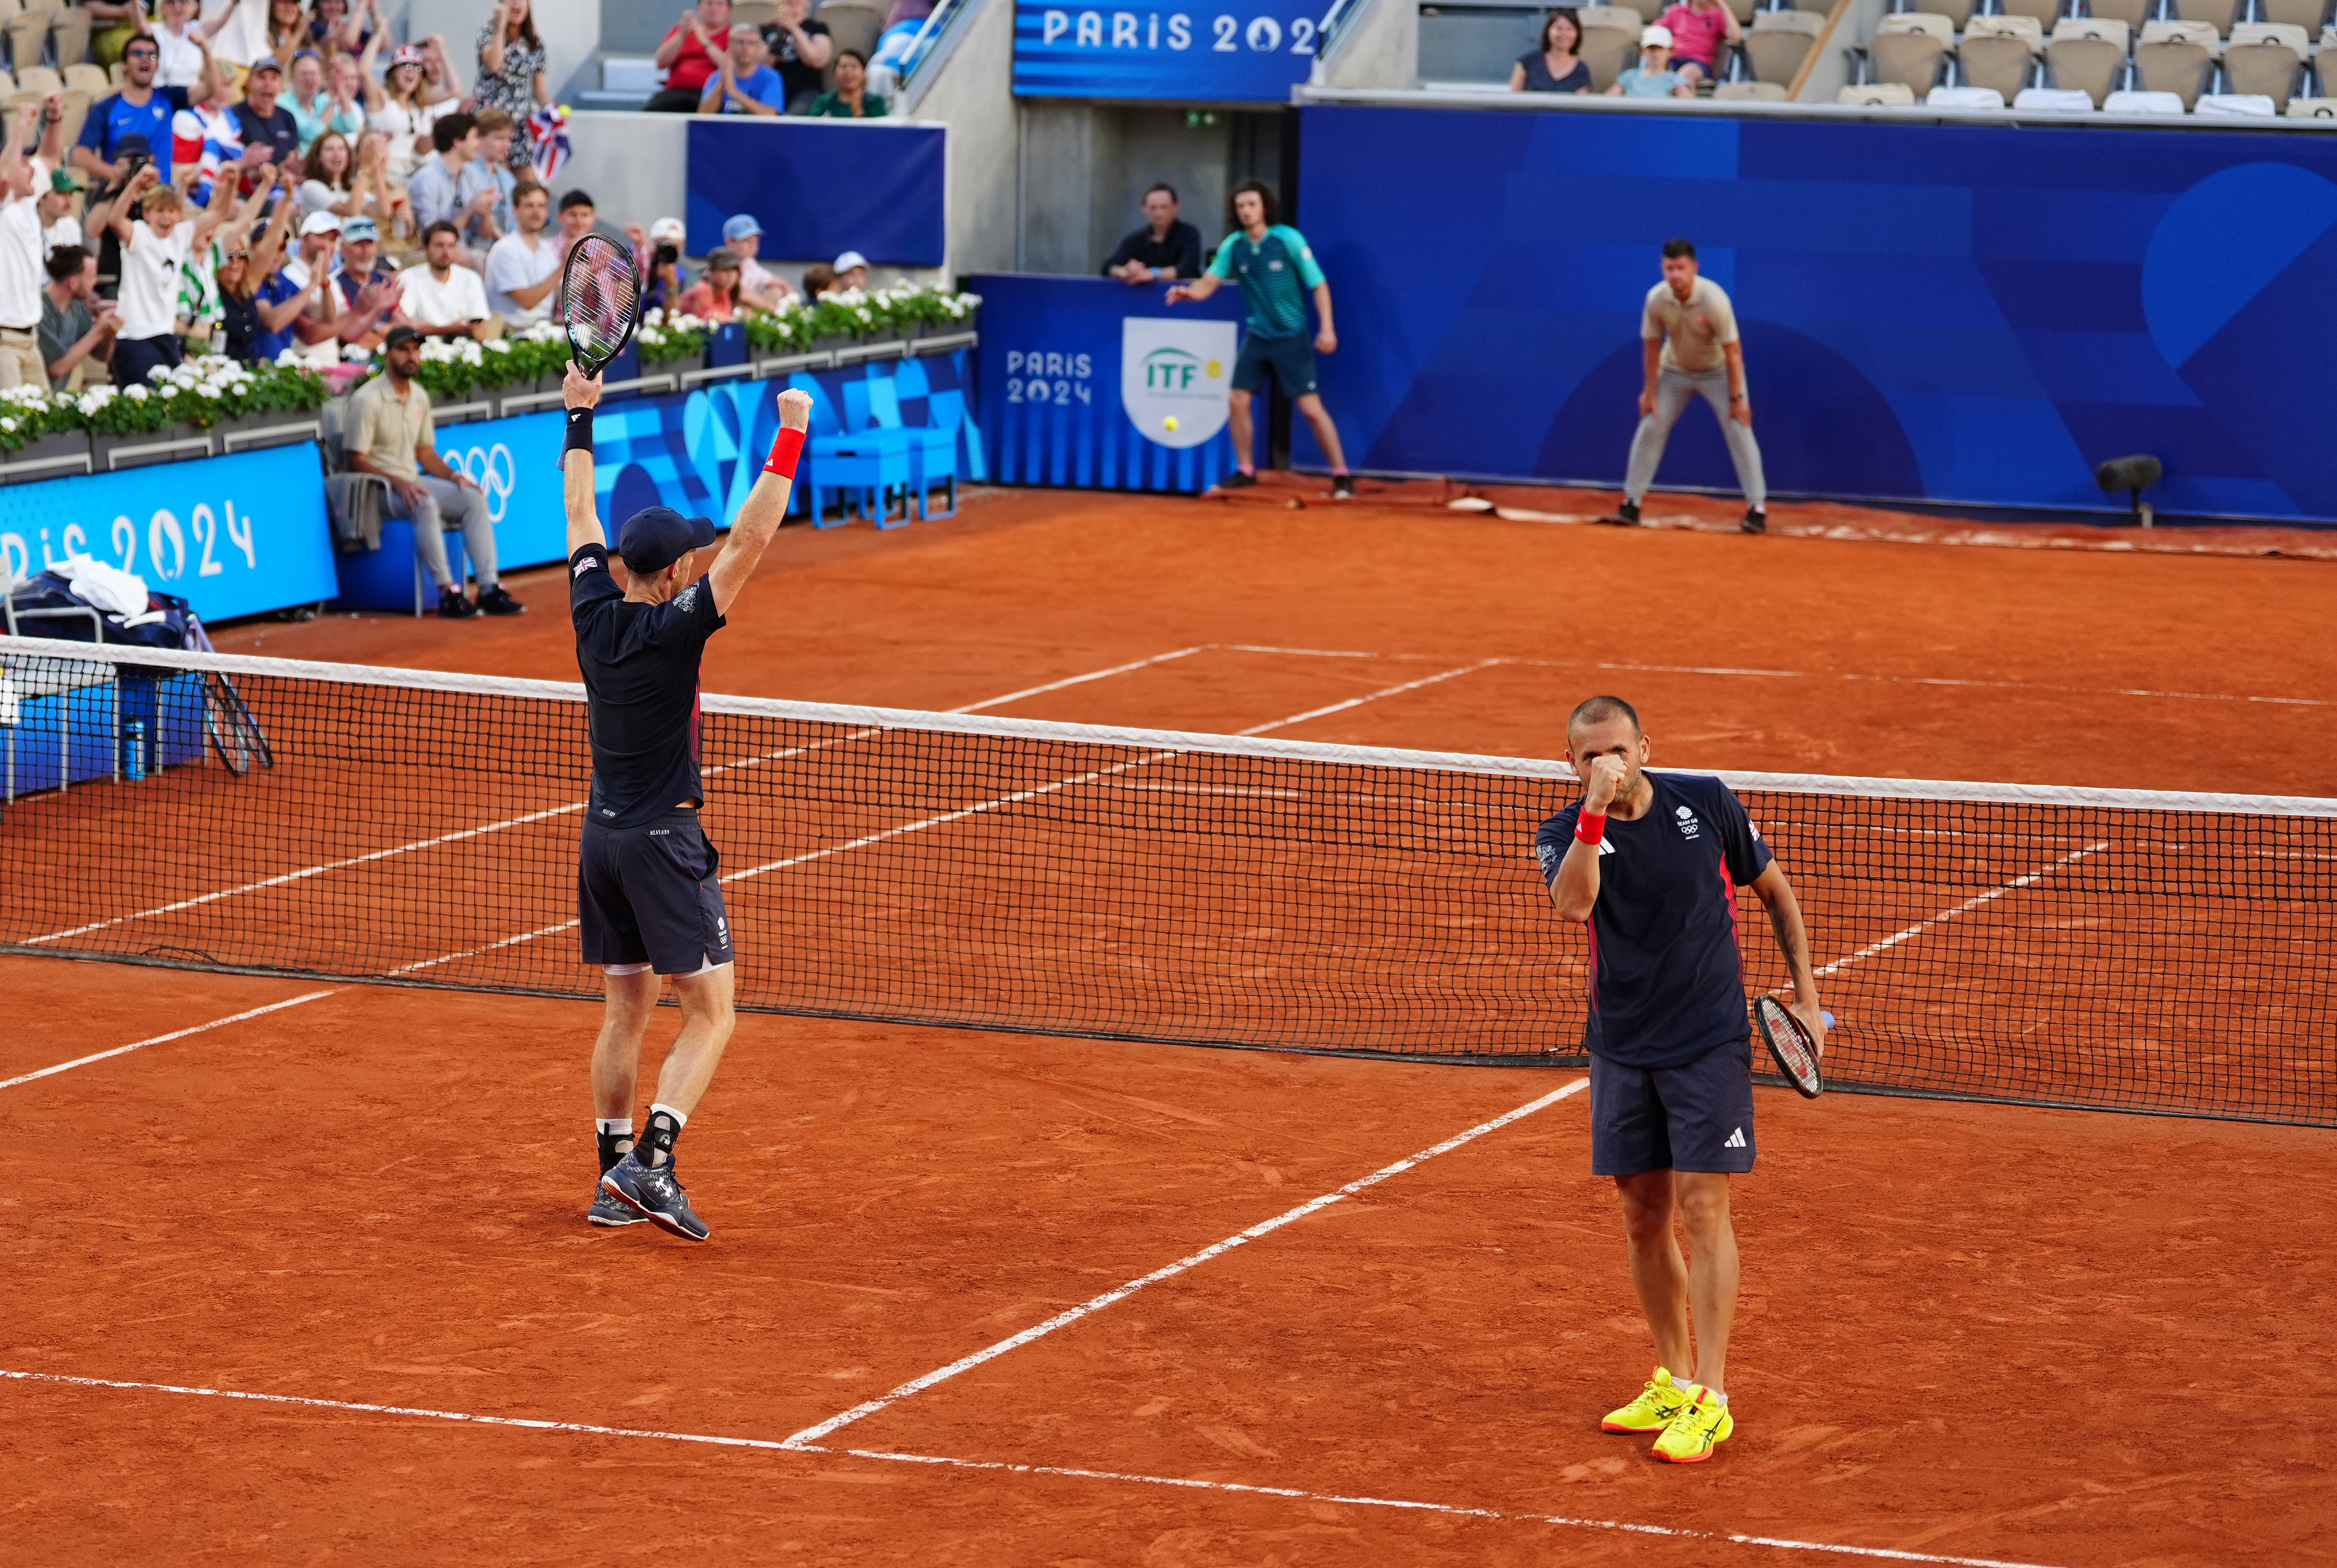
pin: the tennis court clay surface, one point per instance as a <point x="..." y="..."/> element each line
<point x="1972" y="1332"/>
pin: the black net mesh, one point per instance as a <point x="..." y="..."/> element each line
<point x="2136" y="952"/>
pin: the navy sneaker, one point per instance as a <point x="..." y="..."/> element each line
<point x="1755" y="521"/>
<point x="1237" y="480"/>
<point x="1624" y="516"/>
<point x="1343" y="486"/>
<point x="607" y="1211"/>
<point x="656" y="1195"/>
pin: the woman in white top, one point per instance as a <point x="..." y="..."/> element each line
<point x="348" y="183"/>
<point x="238" y="35"/>
<point x="398" y="111"/>
<point x="180" y="36"/>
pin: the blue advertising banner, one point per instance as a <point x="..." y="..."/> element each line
<point x="820" y="188"/>
<point x="697" y="452"/>
<point x="1097" y="384"/>
<point x="1948" y="313"/>
<point x="233" y="536"/>
<point x="1241" y="52"/>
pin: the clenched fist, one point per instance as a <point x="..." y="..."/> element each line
<point x="794" y="410"/>
<point x="1604" y="778"/>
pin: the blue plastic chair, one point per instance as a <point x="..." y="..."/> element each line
<point x="391" y="578"/>
<point x="866" y="465"/>
<point x="933" y="446"/>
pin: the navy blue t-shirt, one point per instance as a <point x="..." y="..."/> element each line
<point x="641" y="677"/>
<point x="115" y="117"/>
<point x="1666" y="980"/>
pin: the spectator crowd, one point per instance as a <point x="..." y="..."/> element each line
<point x="274" y="180"/>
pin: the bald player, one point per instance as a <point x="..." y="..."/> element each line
<point x="1650" y="863"/>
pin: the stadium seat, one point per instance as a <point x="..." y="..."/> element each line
<point x="2237" y="106"/>
<point x="2218" y="14"/>
<point x="38" y="80"/>
<point x="2263" y="58"/>
<point x="2087" y="53"/>
<point x="1909" y="47"/>
<point x="2177" y="58"/>
<point x="76" y="111"/>
<point x="1963" y="98"/>
<point x="2142" y="103"/>
<point x="1610" y="41"/>
<point x="2000" y="52"/>
<point x="855" y="25"/>
<point x="2324" y="61"/>
<point x="7" y="84"/>
<point x="2053" y="100"/>
<point x="1959" y="13"/>
<point x="755" y="13"/>
<point x="933" y="446"/>
<point x="2306" y="13"/>
<point x="87" y="78"/>
<point x="873" y="404"/>
<point x="865" y="468"/>
<point x="2133" y="13"/>
<point x="2044" y="13"/>
<point x="49" y="24"/>
<point x="1878" y="95"/>
<point x="1743" y="10"/>
<point x="1752" y="91"/>
<point x="2313" y="109"/>
<point x="1779" y="41"/>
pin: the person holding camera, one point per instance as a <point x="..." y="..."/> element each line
<point x="659" y="251"/>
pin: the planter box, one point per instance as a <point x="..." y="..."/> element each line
<point x="56" y="456"/>
<point x="281" y="427"/>
<point x="170" y="445"/>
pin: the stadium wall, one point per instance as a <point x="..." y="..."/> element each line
<point x="1961" y="313"/>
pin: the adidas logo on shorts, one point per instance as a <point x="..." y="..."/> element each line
<point x="1735" y="1140"/>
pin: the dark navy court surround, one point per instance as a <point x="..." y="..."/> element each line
<point x="1668" y="981"/>
<point x="641" y="674"/>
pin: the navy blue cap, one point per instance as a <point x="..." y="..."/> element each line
<point x="655" y="537"/>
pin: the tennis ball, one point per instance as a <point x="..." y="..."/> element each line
<point x="1169" y="422"/>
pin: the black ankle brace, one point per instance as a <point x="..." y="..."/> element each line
<point x="610" y="1153"/>
<point x="659" y="1136"/>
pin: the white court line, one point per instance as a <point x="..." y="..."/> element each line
<point x="1083" y="679"/>
<point x="1892" y="941"/>
<point x="942" y="819"/>
<point x="323" y="867"/>
<point x="174" y="1035"/>
<point x="1369" y="696"/>
<point x="767" y="1444"/>
<point x="811" y="1434"/>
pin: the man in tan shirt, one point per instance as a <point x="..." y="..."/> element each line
<point x="1689" y="336"/>
<point x="393" y="434"/>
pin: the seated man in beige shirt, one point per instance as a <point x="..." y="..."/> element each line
<point x="392" y="434"/>
<point x="1689" y="334"/>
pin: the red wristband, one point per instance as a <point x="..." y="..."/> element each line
<point x="785" y="449"/>
<point x="1590" y="828"/>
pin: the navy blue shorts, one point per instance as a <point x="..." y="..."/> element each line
<point x="648" y="895"/>
<point x="1290" y="359"/>
<point x="1696" y="1117"/>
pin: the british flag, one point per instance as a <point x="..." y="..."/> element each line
<point x="206" y="137"/>
<point x="547" y="130"/>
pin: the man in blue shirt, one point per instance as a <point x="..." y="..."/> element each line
<point x="1276" y="270"/>
<point x="139" y="109"/>
<point x="1650" y="863"/>
<point x="747" y="84"/>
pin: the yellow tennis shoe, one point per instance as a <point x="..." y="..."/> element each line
<point x="1702" y="1425"/>
<point x="1652" y="1410"/>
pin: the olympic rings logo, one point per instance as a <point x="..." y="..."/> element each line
<point x="492" y="470"/>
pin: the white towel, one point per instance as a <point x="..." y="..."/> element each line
<point x="109" y="587"/>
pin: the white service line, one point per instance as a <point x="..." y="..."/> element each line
<point x="174" y="1035"/>
<point x="1083" y="679"/>
<point x="811" y="1434"/>
<point x="1892" y="941"/>
<point x="587" y="1429"/>
<point x="1368" y="697"/>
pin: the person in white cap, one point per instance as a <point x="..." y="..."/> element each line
<point x="659" y="252"/>
<point x="1653" y="76"/>
<point x="851" y="270"/>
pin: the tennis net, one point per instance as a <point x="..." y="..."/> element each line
<point x="2107" y="948"/>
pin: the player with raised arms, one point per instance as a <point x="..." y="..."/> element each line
<point x="1649" y="862"/>
<point x="1276" y="271"/>
<point x="648" y="897"/>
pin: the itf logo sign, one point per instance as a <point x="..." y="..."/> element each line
<point x="1174" y="377"/>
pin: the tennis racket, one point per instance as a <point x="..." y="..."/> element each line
<point x="599" y="301"/>
<point x="1790" y="1046"/>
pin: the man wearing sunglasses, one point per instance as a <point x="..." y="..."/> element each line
<point x="142" y="110"/>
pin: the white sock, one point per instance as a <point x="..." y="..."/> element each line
<point x="620" y="1126"/>
<point x="679" y="1119"/>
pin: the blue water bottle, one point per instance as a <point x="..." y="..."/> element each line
<point x="133" y="767"/>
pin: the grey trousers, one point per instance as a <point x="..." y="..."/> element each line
<point x="449" y="505"/>
<point x="1673" y="390"/>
